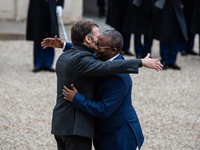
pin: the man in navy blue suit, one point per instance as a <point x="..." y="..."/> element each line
<point x="117" y="126"/>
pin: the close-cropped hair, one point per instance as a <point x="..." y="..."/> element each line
<point x="116" y="39"/>
<point x="81" y="29"/>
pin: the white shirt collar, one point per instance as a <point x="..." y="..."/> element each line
<point x="111" y="59"/>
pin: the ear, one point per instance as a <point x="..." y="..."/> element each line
<point x="87" y="39"/>
<point x="114" y="50"/>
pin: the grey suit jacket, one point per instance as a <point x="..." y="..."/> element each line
<point x="78" y="66"/>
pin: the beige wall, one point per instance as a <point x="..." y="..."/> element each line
<point x="72" y="11"/>
<point x="17" y="10"/>
<point x="7" y="9"/>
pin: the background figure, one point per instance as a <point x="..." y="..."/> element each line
<point x="186" y="47"/>
<point x="42" y="22"/>
<point x="168" y="24"/>
<point x="116" y="13"/>
<point x="195" y="25"/>
<point x="138" y="21"/>
<point x="142" y="48"/>
<point x="101" y="5"/>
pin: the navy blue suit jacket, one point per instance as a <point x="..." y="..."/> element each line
<point x="117" y="125"/>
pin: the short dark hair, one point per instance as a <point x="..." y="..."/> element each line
<point x="116" y="39"/>
<point x="81" y="29"/>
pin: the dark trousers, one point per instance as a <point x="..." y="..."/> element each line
<point x="187" y="45"/>
<point x="43" y="57"/>
<point x="169" y="50"/>
<point x="142" y="49"/>
<point x="73" y="142"/>
<point x="126" y="37"/>
<point x="101" y="5"/>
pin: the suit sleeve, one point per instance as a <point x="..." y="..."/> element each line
<point x="67" y="46"/>
<point x="90" y="67"/>
<point x="112" y="98"/>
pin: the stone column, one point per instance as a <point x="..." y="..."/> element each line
<point x="73" y="11"/>
<point x="7" y="9"/>
<point x="21" y="10"/>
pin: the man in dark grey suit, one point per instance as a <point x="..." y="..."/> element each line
<point x="74" y="129"/>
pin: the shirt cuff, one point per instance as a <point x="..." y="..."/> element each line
<point x="67" y="46"/>
<point x="64" y="46"/>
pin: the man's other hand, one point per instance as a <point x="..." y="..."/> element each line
<point x="151" y="63"/>
<point x="52" y="42"/>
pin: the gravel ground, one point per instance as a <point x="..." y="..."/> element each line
<point x="167" y="102"/>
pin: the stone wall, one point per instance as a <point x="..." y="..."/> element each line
<point x="17" y="10"/>
<point x="7" y="9"/>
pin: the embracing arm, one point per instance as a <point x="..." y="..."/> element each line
<point x="110" y="102"/>
<point x="91" y="67"/>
